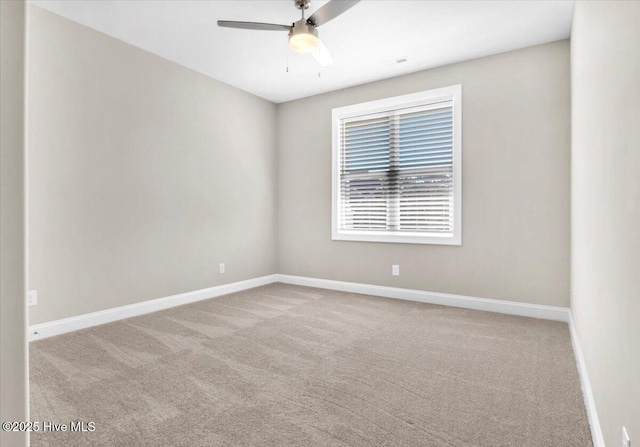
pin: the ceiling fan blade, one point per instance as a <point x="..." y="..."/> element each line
<point x="330" y="11"/>
<point x="321" y="55"/>
<point x="253" y="25"/>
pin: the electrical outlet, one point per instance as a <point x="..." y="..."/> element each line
<point x="626" y="441"/>
<point x="32" y="300"/>
<point x="222" y="268"/>
<point x="395" y="270"/>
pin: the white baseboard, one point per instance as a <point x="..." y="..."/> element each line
<point x="587" y="393"/>
<point x="57" y="327"/>
<point x="445" y="299"/>
<point x="44" y="330"/>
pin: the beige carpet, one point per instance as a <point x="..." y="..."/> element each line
<point x="286" y="365"/>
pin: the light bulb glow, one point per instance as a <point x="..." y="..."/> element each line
<point x="303" y="42"/>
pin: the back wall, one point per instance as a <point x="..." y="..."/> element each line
<point x="516" y="152"/>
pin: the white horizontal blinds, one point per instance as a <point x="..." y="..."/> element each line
<point x="396" y="171"/>
<point x="425" y="172"/>
<point x="364" y="166"/>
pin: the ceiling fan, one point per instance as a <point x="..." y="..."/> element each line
<point x="303" y="34"/>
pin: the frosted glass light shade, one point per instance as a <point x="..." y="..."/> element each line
<point x="303" y="43"/>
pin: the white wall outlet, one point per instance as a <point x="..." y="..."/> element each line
<point x="626" y="441"/>
<point x="222" y="268"/>
<point x="395" y="270"/>
<point x="33" y="298"/>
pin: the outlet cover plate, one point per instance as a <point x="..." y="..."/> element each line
<point x="395" y="270"/>
<point x="32" y="300"/>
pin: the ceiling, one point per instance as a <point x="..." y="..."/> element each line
<point x="365" y="41"/>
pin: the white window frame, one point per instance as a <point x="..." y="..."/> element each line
<point x="451" y="94"/>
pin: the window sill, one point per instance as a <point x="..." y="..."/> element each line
<point x="400" y="238"/>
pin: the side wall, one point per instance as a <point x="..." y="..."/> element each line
<point x="13" y="311"/>
<point x="605" y="221"/>
<point x="144" y="175"/>
<point x="515" y="230"/>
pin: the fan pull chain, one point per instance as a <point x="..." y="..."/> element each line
<point x="319" y="57"/>
<point x="287" y="50"/>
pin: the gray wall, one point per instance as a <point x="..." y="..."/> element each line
<point x="605" y="193"/>
<point x="144" y="175"/>
<point x="13" y="310"/>
<point x="515" y="230"/>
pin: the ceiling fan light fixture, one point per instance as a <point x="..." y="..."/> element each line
<point x="303" y="38"/>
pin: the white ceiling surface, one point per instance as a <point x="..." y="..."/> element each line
<point x="428" y="33"/>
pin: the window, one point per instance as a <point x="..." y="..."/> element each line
<point x="397" y="174"/>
